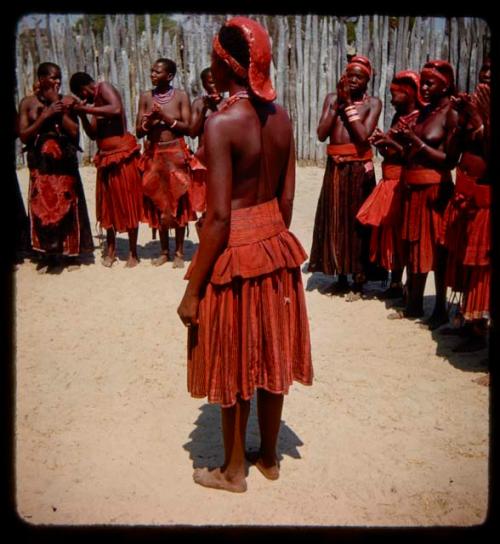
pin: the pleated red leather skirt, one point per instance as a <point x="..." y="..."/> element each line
<point x="253" y="328"/>
<point x="467" y="238"/>
<point x="426" y="197"/>
<point x="382" y="210"/>
<point x="167" y="184"/>
<point x="119" y="198"/>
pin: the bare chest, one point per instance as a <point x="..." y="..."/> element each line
<point x="170" y="105"/>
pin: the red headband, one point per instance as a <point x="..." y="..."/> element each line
<point x="434" y="72"/>
<point x="433" y="68"/>
<point x="259" y="49"/>
<point x="360" y="62"/>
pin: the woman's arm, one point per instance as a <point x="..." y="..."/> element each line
<point x="112" y="107"/>
<point x="141" y="128"/>
<point x="287" y="189"/>
<point x="385" y="144"/>
<point x="360" y="130"/>
<point x="28" y="130"/>
<point x="90" y="127"/>
<point x="198" y="111"/>
<point x="215" y="232"/>
<point x="328" y="116"/>
<point x="422" y="152"/>
<point x="71" y="126"/>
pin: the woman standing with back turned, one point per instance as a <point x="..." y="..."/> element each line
<point x="244" y="304"/>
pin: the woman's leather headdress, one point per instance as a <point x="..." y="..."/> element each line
<point x="361" y="62"/>
<point x="442" y="70"/>
<point x="259" y="48"/>
<point x="401" y="81"/>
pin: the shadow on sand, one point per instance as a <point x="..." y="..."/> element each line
<point x="206" y="448"/>
<point x="476" y="361"/>
<point x="320" y="282"/>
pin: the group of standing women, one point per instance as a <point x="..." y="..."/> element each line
<point x="416" y="216"/>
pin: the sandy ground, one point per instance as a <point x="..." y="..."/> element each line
<point x="393" y="432"/>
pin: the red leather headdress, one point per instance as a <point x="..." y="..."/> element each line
<point x="442" y="70"/>
<point x="259" y="48"/>
<point x="408" y="82"/>
<point x="361" y="62"/>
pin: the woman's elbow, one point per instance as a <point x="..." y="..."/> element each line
<point x="221" y="222"/>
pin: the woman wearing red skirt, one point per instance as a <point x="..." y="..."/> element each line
<point x="382" y="210"/>
<point x="428" y="185"/>
<point x="467" y="234"/>
<point x="244" y="305"/>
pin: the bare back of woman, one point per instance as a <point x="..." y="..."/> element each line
<point x="260" y="136"/>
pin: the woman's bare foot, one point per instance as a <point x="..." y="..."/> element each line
<point x="162" y="259"/>
<point x="405" y="314"/>
<point x="178" y="260"/>
<point x="216" y="479"/>
<point x="353" y="295"/>
<point x="108" y="261"/>
<point x="271" y="472"/>
<point x="131" y="262"/>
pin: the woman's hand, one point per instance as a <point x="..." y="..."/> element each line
<point x="405" y="133"/>
<point x="343" y="91"/>
<point x="481" y="100"/>
<point x="69" y="102"/>
<point x="210" y="101"/>
<point x="463" y="105"/>
<point x="79" y="106"/>
<point x="54" y="109"/>
<point x="188" y="309"/>
<point x="378" y="137"/>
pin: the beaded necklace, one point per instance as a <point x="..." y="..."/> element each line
<point x="232" y="99"/>
<point x="163" y="98"/>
